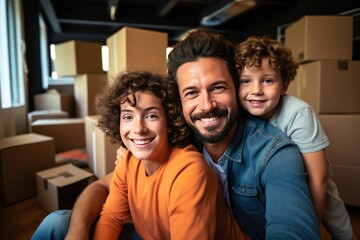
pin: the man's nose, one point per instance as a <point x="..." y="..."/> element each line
<point x="206" y="102"/>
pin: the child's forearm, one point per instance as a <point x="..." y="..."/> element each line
<point x="317" y="169"/>
<point x="318" y="195"/>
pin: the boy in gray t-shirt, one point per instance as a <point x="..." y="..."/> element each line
<point x="266" y="68"/>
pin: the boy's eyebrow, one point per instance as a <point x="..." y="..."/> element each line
<point x="125" y="110"/>
<point x="146" y="109"/>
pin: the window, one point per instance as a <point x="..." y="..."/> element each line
<point x="12" y="65"/>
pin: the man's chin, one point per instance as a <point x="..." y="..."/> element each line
<point x="208" y="137"/>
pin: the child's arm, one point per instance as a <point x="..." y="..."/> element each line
<point x="317" y="168"/>
<point x="115" y="211"/>
<point x="87" y="208"/>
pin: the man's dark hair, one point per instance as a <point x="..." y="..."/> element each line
<point x="199" y="44"/>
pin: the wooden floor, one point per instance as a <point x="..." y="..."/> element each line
<point x="19" y="221"/>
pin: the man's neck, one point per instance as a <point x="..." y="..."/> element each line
<point x="216" y="150"/>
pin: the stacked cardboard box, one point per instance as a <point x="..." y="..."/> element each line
<point x="21" y="157"/>
<point x="45" y="114"/>
<point x="136" y="49"/>
<point x="59" y="187"/>
<point x="101" y="152"/>
<point x="54" y="100"/>
<point x="86" y="88"/>
<point x="83" y="61"/>
<point x="328" y="80"/>
<point x="68" y="133"/>
<point x="78" y="57"/>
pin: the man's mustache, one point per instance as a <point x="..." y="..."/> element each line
<point x="216" y="112"/>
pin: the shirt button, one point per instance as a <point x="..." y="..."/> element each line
<point x="243" y="189"/>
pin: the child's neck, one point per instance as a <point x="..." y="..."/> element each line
<point x="152" y="165"/>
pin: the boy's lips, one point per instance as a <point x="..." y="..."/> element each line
<point x="142" y="141"/>
<point x="256" y="101"/>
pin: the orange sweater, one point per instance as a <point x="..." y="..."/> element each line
<point x="181" y="200"/>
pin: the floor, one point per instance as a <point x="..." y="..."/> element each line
<point x="19" y="221"/>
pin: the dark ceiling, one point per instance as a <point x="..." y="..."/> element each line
<point x="91" y="20"/>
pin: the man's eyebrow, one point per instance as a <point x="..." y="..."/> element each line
<point x="189" y="88"/>
<point x="219" y="82"/>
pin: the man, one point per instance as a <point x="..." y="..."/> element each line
<point x="260" y="169"/>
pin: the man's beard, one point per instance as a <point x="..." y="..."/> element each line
<point x="211" y="135"/>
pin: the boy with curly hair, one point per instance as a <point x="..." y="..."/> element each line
<point x="266" y="69"/>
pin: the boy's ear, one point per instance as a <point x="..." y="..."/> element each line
<point x="285" y="88"/>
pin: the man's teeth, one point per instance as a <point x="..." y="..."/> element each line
<point x="209" y="119"/>
<point x="141" y="142"/>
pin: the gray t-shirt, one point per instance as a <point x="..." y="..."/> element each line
<point x="301" y="123"/>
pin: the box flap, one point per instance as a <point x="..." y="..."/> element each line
<point x="59" y="121"/>
<point x="23" y="139"/>
<point x="64" y="175"/>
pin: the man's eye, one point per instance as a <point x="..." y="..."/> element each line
<point x="191" y="95"/>
<point x="218" y="89"/>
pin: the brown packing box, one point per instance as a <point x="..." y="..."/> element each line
<point x="321" y="38"/>
<point x="329" y="86"/>
<point x="68" y="133"/>
<point x="53" y="100"/>
<point x="101" y="152"/>
<point x="58" y="187"/>
<point x="137" y="49"/>
<point x="78" y="57"/>
<point x="21" y="157"/>
<point x="86" y="87"/>
<point x="45" y="114"/>
<point x="343" y="131"/>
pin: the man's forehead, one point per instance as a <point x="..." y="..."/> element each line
<point x="205" y="71"/>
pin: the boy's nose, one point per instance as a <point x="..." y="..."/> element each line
<point x="139" y="127"/>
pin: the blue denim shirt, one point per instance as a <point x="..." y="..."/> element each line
<point x="267" y="185"/>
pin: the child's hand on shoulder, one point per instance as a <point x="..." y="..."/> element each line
<point x="120" y="153"/>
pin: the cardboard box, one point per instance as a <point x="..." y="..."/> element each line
<point x="101" y="152"/>
<point x="21" y="157"/>
<point x="136" y="49"/>
<point x="321" y="38"/>
<point x="53" y="100"/>
<point x="343" y="131"/>
<point x="45" y="114"/>
<point x="86" y="87"/>
<point x="346" y="179"/>
<point x="68" y="133"/>
<point x="58" y="187"/>
<point x="78" y="57"/>
<point x="329" y="86"/>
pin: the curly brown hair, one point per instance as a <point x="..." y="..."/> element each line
<point x="127" y="84"/>
<point x="251" y="52"/>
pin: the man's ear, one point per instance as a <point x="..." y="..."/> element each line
<point x="285" y="88"/>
